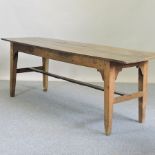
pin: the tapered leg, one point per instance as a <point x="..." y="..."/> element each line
<point x="45" y="69"/>
<point x="142" y="84"/>
<point x="13" y="67"/>
<point x="108" y="75"/>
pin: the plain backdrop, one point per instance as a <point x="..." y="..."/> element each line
<point x="121" y="23"/>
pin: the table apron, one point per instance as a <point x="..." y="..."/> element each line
<point x="72" y="58"/>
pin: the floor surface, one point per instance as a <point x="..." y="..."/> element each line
<point x="68" y="120"/>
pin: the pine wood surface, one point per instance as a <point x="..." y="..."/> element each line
<point x="114" y="54"/>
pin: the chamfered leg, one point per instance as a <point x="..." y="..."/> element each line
<point x="13" y="67"/>
<point x="45" y="63"/>
<point x="142" y="86"/>
<point x="108" y="75"/>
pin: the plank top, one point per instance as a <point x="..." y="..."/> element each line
<point x="114" y="54"/>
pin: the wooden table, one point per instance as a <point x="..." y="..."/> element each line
<point x="109" y="61"/>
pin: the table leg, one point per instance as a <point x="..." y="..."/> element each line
<point x="142" y="84"/>
<point x="13" y="67"/>
<point x="45" y="69"/>
<point x="109" y="75"/>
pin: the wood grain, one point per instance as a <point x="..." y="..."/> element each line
<point x="109" y="61"/>
<point x="108" y="75"/>
<point x="45" y="77"/>
<point x="128" y="97"/>
<point x="39" y="70"/>
<point x="97" y="51"/>
<point x="13" y="67"/>
<point x="60" y="56"/>
<point x="142" y="86"/>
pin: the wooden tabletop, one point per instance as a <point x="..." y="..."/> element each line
<point x="115" y="54"/>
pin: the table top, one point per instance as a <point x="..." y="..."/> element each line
<point x="115" y="54"/>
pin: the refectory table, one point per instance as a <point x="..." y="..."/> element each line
<point x="109" y="61"/>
